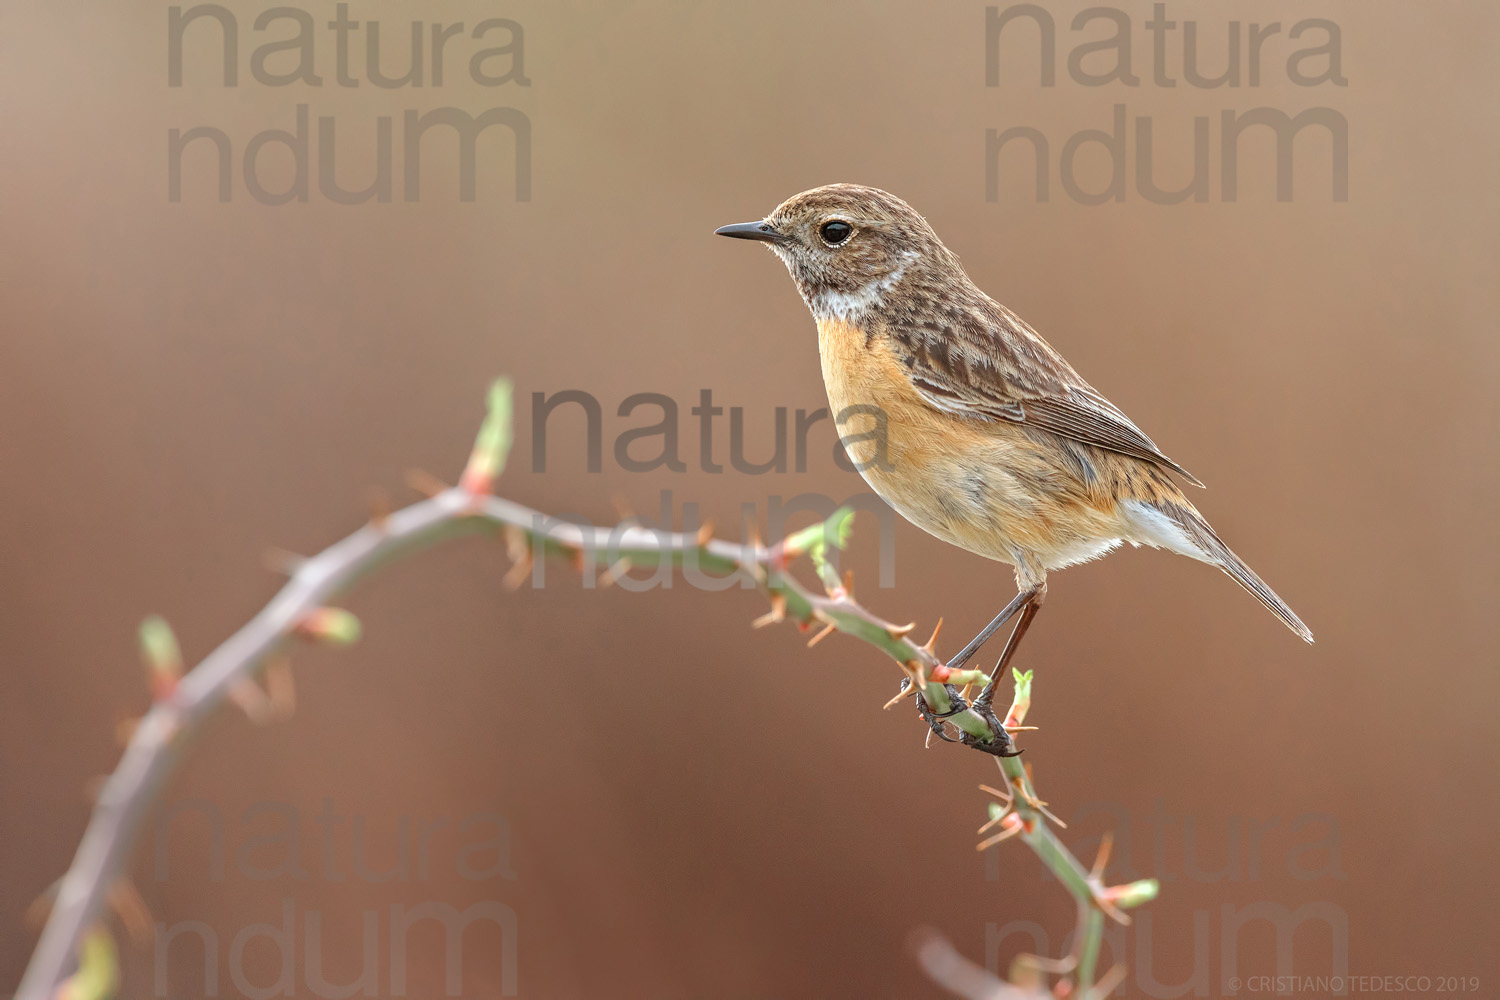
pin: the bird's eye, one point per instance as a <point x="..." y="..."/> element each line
<point x="835" y="232"/>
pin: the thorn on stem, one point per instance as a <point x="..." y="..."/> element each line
<point x="282" y="562"/>
<point x="990" y="824"/>
<point x="827" y="629"/>
<point x="425" y="483"/>
<point x="379" y="503"/>
<point x="1106" y="844"/>
<point x="517" y="574"/>
<point x="125" y="729"/>
<point x="1003" y="796"/>
<point x="517" y="546"/>
<point x="125" y="899"/>
<point x="40" y="908"/>
<point x="621" y="568"/>
<point x="1110" y="910"/>
<point x="913" y="671"/>
<point x="905" y="690"/>
<point x="900" y="631"/>
<point x="281" y="687"/>
<point x="775" y="615"/>
<point x="1013" y="825"/>
<point x="1023" y="788"/>
<point x="1108" y="983"/>
<point x="517" y="542"/>
<point x="252" y="699"/>
<point x="931" y="645"/>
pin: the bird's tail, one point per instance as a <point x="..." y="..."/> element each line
<point x="1216" y="552"/>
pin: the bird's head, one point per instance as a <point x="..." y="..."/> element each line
<point x="849" y="247"/>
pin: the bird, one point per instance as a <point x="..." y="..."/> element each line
<point x="962" y="418"/>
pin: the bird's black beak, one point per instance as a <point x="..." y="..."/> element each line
<point x="762" y="231"/>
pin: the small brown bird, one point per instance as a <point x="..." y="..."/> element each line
<point x="963" y="418"/>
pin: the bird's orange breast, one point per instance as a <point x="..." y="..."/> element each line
<point x="985" y="485"/>
<point x="869" y="392"/>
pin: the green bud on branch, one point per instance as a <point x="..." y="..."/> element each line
<point x="492" y="446"/>
<point x="161" y="654"/>
<point x="98" y="975"/>
<point x="1132" y="894"/>
<point x="333" y="626"/>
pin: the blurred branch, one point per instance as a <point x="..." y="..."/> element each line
<point x="75" y="957"/>
<point x="1020" y="814"/>
<point x="947" y="967"/>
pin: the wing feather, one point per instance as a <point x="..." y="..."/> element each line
<point x="984" y="362"/>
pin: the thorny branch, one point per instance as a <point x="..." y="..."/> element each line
<point x="76" y="957"/>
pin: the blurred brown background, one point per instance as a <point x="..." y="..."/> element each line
<point x="187" y="384"/>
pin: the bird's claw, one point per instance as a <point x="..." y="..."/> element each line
<point x="934" y="720"/>
<point x="1001" y="745"/>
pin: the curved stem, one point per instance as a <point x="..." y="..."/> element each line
<point x="159" y="740"/>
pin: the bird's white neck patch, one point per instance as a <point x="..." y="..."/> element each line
<point x="849" y="306"/>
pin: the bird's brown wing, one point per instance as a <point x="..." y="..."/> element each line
<point x="982" y="361"/>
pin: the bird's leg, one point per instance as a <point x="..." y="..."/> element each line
<point x="1034" y="597"/>
<point x="1001" y="745"/>
<point x="1021" y="600"/>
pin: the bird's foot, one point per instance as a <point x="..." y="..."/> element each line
<point x="1001" y="745"/>
<point x="935" y="720"/>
